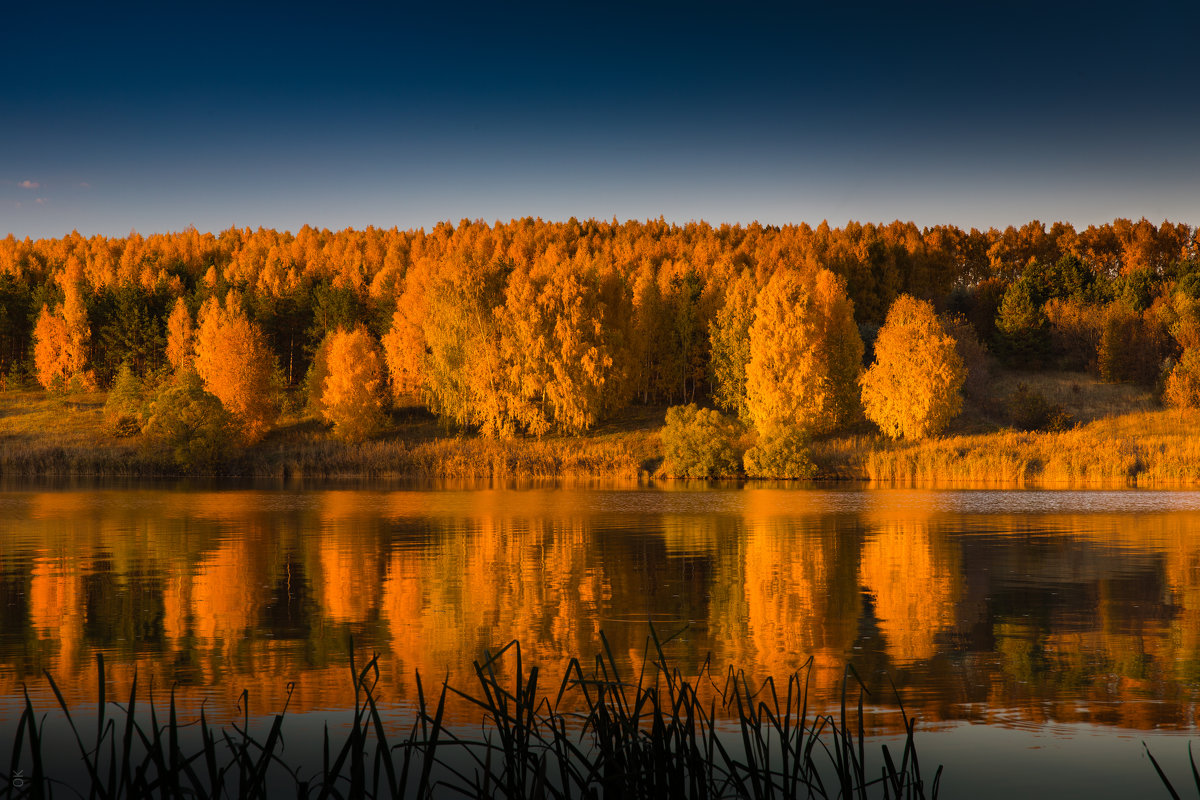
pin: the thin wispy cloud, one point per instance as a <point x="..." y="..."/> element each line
<point x="29" y="185"/>
<point x="41" y="201"/>
<point x="85" y="185"/>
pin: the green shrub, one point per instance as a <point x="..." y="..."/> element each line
<point x="1131" y="346"/>
<point x="190" y="424"/>
<point x="1022" y="330"/>
<point x="698" y="443"/>
<point x="782" y="452"/>
<point x="125" y="409"/>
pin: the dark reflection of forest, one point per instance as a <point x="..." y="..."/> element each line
<point x="1008" y="618"/>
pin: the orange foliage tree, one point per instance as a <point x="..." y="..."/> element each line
<point x="729" y="344"/>
<point x="805" y="353"/>
<point x="237" y="367"/>
<point x="914" y="388"/>
<point x="554" y="351"/>
<point x="61" y="340"/>
<point x="180" y="336"/>
<point x="404" y="346"/>
<point x="353" y="388"/>
<point x="50" y="349"/>
<point x="1182" y="389"/>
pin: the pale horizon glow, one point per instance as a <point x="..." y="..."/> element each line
<point x="778" y="115"/>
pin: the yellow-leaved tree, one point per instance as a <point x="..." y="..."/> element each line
<point x="180" y="336"/>
<point x="1183" y="384"/>
<point x="404" y="344"/>
<point x="554" y="350"/>
<point x="237" y="366"/>
<point x="729" y="344"/>
<point x="61" y="340"/>
<point x="353" y="388"/>
<point x="50" y="354"/>
<point x="914" y="388"/>
<point x="805" y="353"/>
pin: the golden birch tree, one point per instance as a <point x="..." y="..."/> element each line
<point x="237" y="366"/>
<point x="570" y="354"/>
<point x="841" y="349"/>
<point x="462" y="374"/>
<point x="914" y="388"/>
<point x="805" y="353"/>
<point x="404" y="344"/>
<point x="61" y="339"/>
<point x="50" y="350"/>
<point x="353" y="390"/>
<point x="729" y="342"/>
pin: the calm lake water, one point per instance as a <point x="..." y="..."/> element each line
<point x="1039" y="637"/>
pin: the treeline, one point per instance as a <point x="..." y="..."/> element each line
<point x="533" y="326"/>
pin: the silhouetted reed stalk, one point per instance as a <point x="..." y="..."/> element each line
<point x="1167" y="781"/>
<point x="659" y="736"/>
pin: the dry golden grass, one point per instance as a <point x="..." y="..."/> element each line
<point x="1121" y="439"/>
<point x="1141" y="448"/>
<point x="63" y="434"/>
<point x="53" y="434"/>
<point x="415" y="445"/>
<point x="1125" y="443"/>
<point x="1080" y="393"/>
<point x="624" y="456"/>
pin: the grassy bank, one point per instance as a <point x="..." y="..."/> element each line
<point x="1149" y="448"/>
<point x="44" y="434"/>
<point x="1119" y="438"/>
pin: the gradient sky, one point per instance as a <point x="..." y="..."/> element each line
<point x="158" y="116"/>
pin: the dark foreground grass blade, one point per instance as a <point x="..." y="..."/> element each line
<point x="655" y="738"/>
<point x="1195" y="772"/>
<point x="1162" y="775"/>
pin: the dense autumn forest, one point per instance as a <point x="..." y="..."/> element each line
<point x="532" y="327"/>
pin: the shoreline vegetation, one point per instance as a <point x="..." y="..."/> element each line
<point x="633" y="352"/>
<point x="1118" y="440"/>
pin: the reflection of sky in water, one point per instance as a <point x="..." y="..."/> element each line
<point x="831" y="501"/>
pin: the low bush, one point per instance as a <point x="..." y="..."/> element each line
<point x="1183" y="384"/>
<point x="125" y="409"/>
<point x="190" y="424"/>
<point x="782" y="453"/>
<point x="698" y="443"/>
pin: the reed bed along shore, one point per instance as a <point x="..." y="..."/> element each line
<point x="1144" y="449"/>
<point x="1119" y="441"/>
<point x="655" y="734"/>
<point x="619" y="457"/>
<point x="44" y="434"/>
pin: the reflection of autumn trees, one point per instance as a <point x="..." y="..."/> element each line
<point x="486" y="582"/>
<point x="56" y="604"/>
<point x="801" y="597"/>
<point x="1085" y="617"/>
<point x="913" y="573"/>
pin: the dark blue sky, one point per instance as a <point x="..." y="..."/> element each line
<point x="157" y="116"/>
